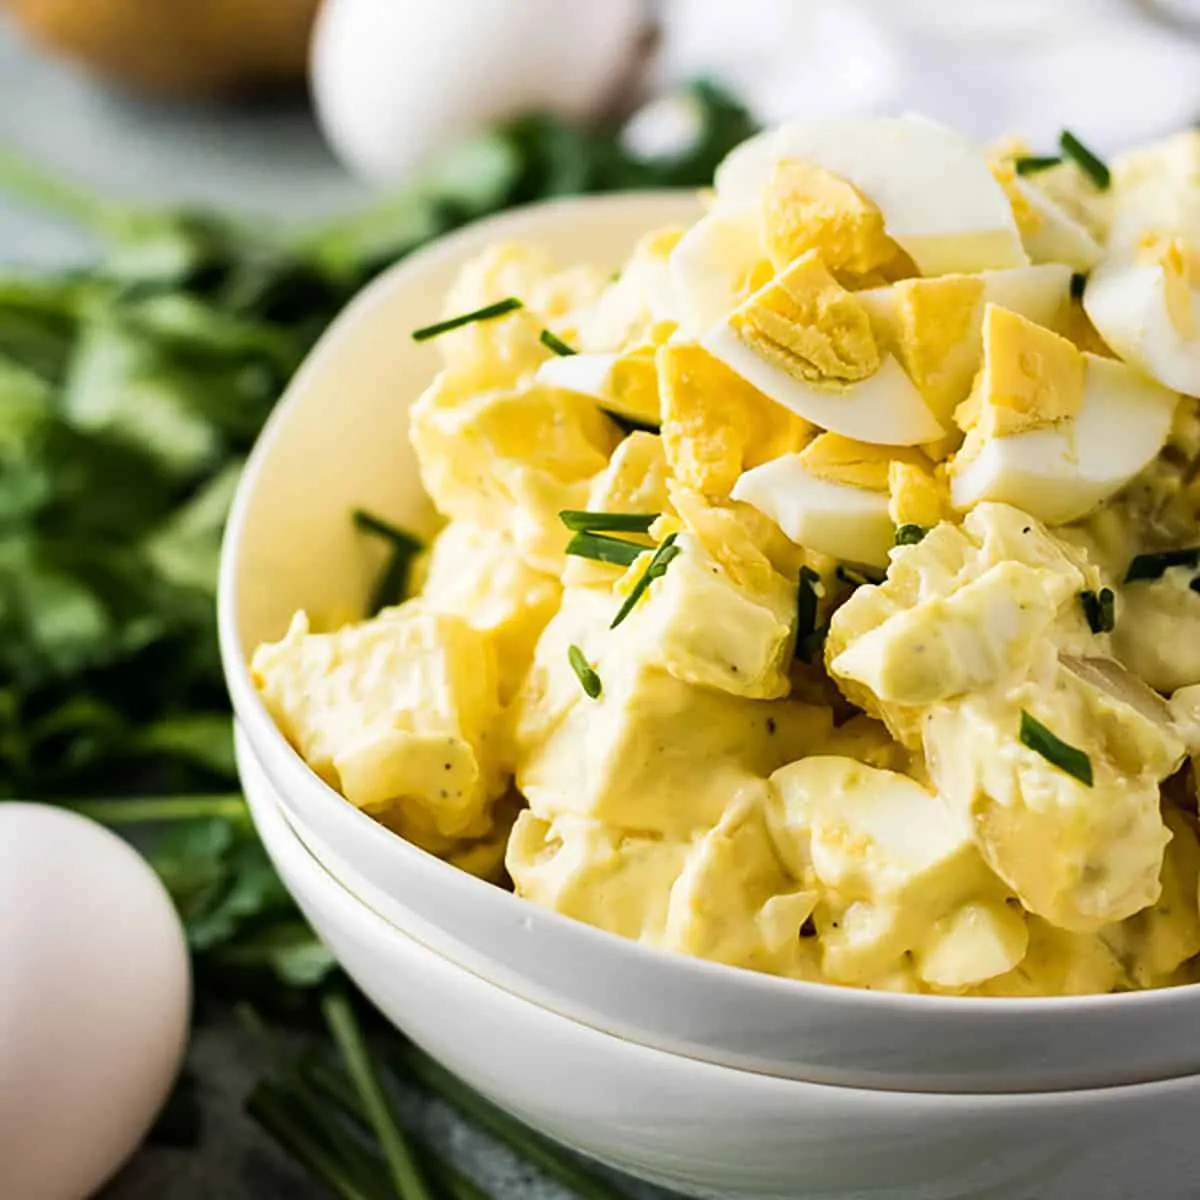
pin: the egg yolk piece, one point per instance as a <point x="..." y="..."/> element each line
<point x="808" y="344"/>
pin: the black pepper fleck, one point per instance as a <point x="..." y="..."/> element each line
<point x="771" y="725"/>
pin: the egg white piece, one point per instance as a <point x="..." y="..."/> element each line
<point x="832" y="518"/>
<point x="587" y="374"/>
<point x="1126" y="300"/>
<point x="1055" y="236"/>
<point x="938" y="198"/>
<point x="393" y="82"/>
<point x="1059" y="475"/>
<point x="95" y="995"/>
<point x="884" y="409"/>
<point x="710" y="266"/>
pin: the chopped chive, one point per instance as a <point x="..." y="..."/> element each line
<point x="405" y="1171"/>
<point x="1152" y="566"/>
<point x="581" y="521"/>
<point x="392" y="584"/>
<point x="808" y="594"/>
<point x="812" y="645"/>
<point x="629" y="425"/>
<point x="1036" y="737"/>
<point x="555" y="343"/>
<point x="1031" y="164"/>
<point x="910" y="535"/>
<point x="597" y="546"/>
<point x="1078" y="283"/>
<point x="584" y="672"/>
<point x="487" y="313"/>
<point x="656" y="568"/>
<point x="858" y="576"/>
<point x="1091" y="165"/>
<point x="1100" y="610"/>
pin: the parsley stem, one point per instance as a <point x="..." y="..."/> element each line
<point x="268" y="1106"/>
<point x="138" y="810"/>
<point x="522" y="1141"/>
<point x="337" y="1089"/>
<point x="405" y="1170"/>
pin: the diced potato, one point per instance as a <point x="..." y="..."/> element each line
<point x="398" y="713"/>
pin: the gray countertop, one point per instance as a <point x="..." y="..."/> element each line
<point x="268" y="161"/>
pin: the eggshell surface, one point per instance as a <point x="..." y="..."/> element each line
<point x="95" y="997"/>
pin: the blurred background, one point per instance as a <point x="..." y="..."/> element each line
<point x="231" y="171"/>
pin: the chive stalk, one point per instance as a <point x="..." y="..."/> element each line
<point x="1154" y="566"/>
<point x="656" y="568"/>
<point x="1036" y="737"/>
<point x="910" y="535"/>
<point x="1089" y="163"/>
<point x="489" y="312"/>
<point x="552" y="342"/>
<point x="615" y="551"/>
<point x="1031" y="164"/>
<point x="584" y="672"/>
<point x="580" y="521"/>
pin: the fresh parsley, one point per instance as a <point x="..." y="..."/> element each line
<point x="489" y="312"/>
<point x="1036" y="737"/>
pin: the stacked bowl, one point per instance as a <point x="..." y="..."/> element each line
<point x="704" y="1078"/>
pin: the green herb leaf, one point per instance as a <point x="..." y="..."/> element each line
<point x="489" y="312"/>
<point x="551" y="342"/>
<point x="600" y="548"/>
<point x="1031" y="164"/>
<point x="1092" y="166"/>
<point x="1036" y="737"/>
<point x="1099" y="609"/>
<point x="581" y="521"/>
<point x="1154" y="566"/>
<point x="584" y="672"/>
<point x="910" y="535"/>
<point x="656" y="568"/>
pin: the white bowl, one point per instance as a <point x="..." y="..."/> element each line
<point x="714" y="1131"/>
<point x="339" y="438"/>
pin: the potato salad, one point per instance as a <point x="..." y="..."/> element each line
<point x="820" y="594"/>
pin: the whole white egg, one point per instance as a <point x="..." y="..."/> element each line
<point x="95" y="998"/>
<point x="396" y="79"/>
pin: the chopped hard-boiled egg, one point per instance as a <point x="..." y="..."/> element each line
<point x="1146" y="306"/>
<point x="844" y="498"/>
<point x="510" y="461"/>
<point x="807" y="343"/>
<point x="934" y="191"/>
<point x="842" y="666"/>
<point x="715" y="424"/>
<point x="1050" y="429"/>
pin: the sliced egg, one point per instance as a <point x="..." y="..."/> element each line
<point x="837" y="519"/>
<point x="626" y="384"/>
<point x="1061" y="472"/>
<point x="714" y="267"/>
<point x="938" y="198"/>
<point x="1146" y="306"/>
<point x="934" y="325"/>
<point x="1049" y="233"/>
<point x="807" y="343"/>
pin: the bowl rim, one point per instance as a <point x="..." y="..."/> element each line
<point x="262" y="731"/>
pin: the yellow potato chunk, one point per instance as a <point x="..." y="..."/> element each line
<point x="918" y="496"/>
<point x="807" y="209"/>
<point x="651" y="752"/>
<point x="478" y="575"/>
<point x="510" y="461"/>
<point x="805" y="323"/>
<point x="398" y="713"/>
<point x="715" y="425"/>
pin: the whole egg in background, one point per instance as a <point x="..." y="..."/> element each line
<point x="394" y="80"/>
<point x="95" y="995"/>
